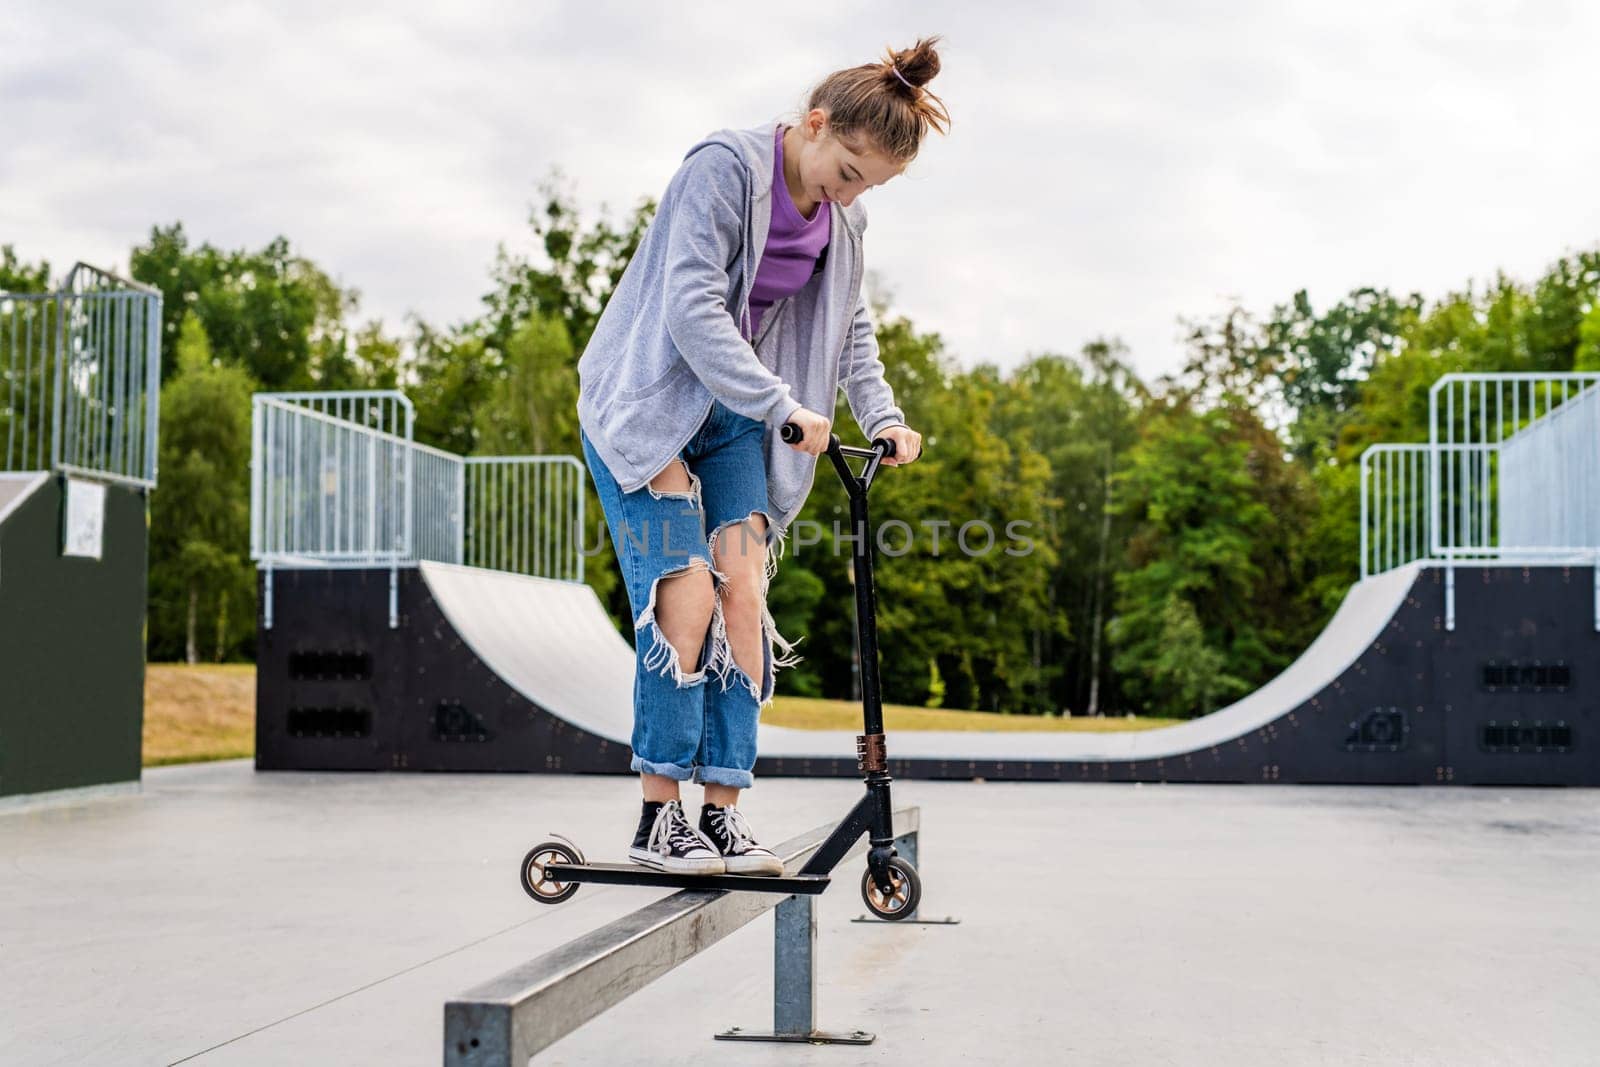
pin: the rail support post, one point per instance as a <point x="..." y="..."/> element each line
<point x="794" y="982"/>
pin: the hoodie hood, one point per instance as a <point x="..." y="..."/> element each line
<point x="754" y="146"/>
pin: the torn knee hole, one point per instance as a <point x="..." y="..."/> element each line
<point x="747" y="536"/>
<point x="777" y="652"/>
<point x="695" y="564"/>
<point x="719" y="660"/>
<point x="675" y="482"/>
<point x="663" y="656"/>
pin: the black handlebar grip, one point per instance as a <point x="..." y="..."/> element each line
<point x="792" y="434"/>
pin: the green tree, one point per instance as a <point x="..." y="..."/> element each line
<point x="17" y="276"/>
<point x="1081" y="419"/>
<point x="1587" y="356"/>
<point x="202" y="582"/>
<point x="1321" y="358"/>
<point x="1189" y="674"/>
<point x="272" y="312"/>
<point x="963" y="581"/>
<point x="1217" y="509"/>
<point x="580" y="268"/>
<point x="532" y="409"/>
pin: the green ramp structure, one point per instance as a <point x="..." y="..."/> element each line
<point x="80" y="384"/>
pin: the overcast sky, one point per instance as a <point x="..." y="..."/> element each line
<point x="1110" y="166"/>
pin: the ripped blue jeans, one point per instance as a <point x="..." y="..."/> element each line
<point x="695" y="724"/>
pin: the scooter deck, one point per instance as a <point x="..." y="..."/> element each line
<point x="636" y="874"/>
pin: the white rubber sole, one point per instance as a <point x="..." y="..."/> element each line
<point x="672" y="865"/>
<point x="768" y="865"/>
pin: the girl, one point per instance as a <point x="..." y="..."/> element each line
<point x="740" y="311"/>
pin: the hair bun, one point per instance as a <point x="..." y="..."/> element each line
<point x="884" y="106"/>
<point x="917" y="65"/>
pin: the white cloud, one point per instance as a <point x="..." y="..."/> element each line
<point x="1110" y="167"/>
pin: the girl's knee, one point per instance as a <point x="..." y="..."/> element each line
<point x="684" y="601"/>
<point x="739" y="548"/>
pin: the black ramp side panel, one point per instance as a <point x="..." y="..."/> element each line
<point x="464" y="715"/>
<point x="1519" y="679"/>
<point x="501" y="672"/>
<point x="1371" y="724"/>
<point x="331" y="665"/>
<point x="71" y="646"/>
<point x="329" y="673"/>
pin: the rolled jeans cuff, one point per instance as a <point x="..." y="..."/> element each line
<point x="665" y="770"/>
<point x="729" y="776"/>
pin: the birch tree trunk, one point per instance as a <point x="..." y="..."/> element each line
<point x="1099" y="593"/>
<point x="222" y="627"/>
<point x="191" y="653"/>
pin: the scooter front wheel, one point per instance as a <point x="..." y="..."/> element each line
<point x="537" y="883"/>
<point x="905" y="891"/>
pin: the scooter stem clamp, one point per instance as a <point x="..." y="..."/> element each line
<point x="871" y="753"/>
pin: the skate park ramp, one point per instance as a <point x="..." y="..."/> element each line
<point x="551" y="641"/>
<point x="485" y="670"/>
<point x="554" y="643"/>
<point x="71" y="642"/>
<point x="16" y="487"/>
<point x="1360" y="704"/>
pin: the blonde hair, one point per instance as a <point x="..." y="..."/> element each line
<point x="871" y="102"/>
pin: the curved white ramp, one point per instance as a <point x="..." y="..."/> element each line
<point x="550" y="640"/>
<point x="1361" y="618"/>
<point x="553" y="642"/>
<point x="16" y="487"/>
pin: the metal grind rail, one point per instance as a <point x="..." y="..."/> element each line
<point x="511" y="1018"/>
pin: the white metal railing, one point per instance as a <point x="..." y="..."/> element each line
<point x="385" y="410"/>
<point x="1394" y="506"/>
<point x="438" y="505"/>
<point x="524" y="514"/>
<point x="1550" y="478"/>
<point x="327" y="490"/>
<point x="337" y="481"/>
<point x="1513" y="468"/>
<point x="1510" y="474"/>
<point x="80" y="368"/>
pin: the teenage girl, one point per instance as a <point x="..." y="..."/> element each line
<point x="741" y="311"/>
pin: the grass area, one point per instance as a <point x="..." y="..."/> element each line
<point x="804" y="713"/>
<point x="204" y="712"/>
<point x="208" y="712"/>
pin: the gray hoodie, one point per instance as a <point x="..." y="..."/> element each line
<point x="673" y="336"/>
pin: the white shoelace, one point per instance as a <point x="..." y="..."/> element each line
<point x="672" y="829"/>
<point x="733" y="826"/>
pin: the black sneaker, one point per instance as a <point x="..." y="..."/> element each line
<point x="667" y="842"/>
<point x="730" y="832"/>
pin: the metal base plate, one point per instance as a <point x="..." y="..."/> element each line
<point x="815" y="1037"/>
<point x="946" y="921"/>
<point x="635" y="874"/>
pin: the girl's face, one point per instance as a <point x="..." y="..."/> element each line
<point x="831" y="169"/>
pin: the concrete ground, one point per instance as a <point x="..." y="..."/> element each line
<point x="225" y="917"/>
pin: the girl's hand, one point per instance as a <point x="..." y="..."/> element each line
<point x="816" y="429"/>
<point x="907" y="445"/>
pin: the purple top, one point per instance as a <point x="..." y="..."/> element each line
<point x="793" y="244"/>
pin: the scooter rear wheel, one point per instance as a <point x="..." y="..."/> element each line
<point x="539" y="885"/>
<point x="904" y="895"/>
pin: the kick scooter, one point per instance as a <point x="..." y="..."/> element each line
<point x="553" y="870"/>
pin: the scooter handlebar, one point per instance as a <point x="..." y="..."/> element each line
<point x="792" y="434"/>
